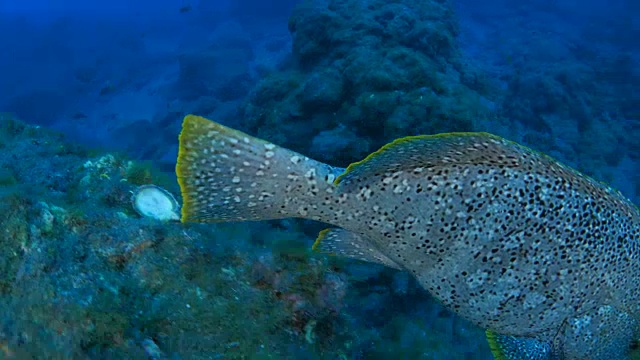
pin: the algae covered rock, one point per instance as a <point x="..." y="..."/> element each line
<point x="380" y="69"/>
<point x="322" y="91"/>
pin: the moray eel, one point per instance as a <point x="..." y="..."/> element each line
<point x="541" y="256"/>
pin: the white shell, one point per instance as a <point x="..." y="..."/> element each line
<point x="155" y="202"/>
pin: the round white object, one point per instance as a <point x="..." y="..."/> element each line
<point x="155" y="202"/>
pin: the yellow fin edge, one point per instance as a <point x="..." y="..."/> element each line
<point x="321" y="236"/>
<point x="402" y="140"/>
<point x="182" y="163"/>
<point x="180" y="170"/>
<point x="498" y="354"/>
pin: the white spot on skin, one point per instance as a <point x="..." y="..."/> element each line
<point x="236" y="199"/>
<point x="582" y="322"/>
<point x="259" y="173"/>
<point x="245" y="140"/>
<point x="233" y="141"/>
<point x="532" y="300"/>
<point x="365" y="194"/>
<point x="269" y="154"/>
<point x="269" y="146"/>
<point x="476" y="280"/>
<point x="295" y="159"/>
<point x="237" y="152"/>
<point x="310" y="174"/>
<point x="235" y="180"/>
<point x="563" y="273"/>
<point x="331" y="178"/>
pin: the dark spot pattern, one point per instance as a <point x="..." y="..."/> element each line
<point x="227" y="175"/>
<point x="503" y="235"/>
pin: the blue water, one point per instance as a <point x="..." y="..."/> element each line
<point x="330" y="81"/>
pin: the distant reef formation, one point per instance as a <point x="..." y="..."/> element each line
<point x="364" y="73"/>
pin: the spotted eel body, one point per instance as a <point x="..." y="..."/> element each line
<point x="543" y="257"/>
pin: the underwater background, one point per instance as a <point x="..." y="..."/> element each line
<point x="92" y="95"/>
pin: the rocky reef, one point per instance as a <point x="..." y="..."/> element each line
<point x="365" y="73"/>
<point x="82" y="275"/>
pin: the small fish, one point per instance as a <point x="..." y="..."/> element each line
<point x="543" y="257"/>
